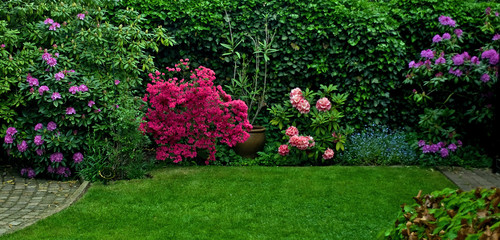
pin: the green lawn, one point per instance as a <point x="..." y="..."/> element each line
<point x="242" y="203"/>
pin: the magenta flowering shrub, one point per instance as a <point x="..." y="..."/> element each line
<point x="312" y="132"/>
<point x="187" y="115"/>
<point x="453" y="86"/>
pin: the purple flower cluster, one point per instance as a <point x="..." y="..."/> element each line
<point x="75" y="89"/>
<point x="78" y="157"/>
<point x="427" y="54"/>
<point x="458" y="32"/>
<point x="496" y="37"/>
<point x="91" y="103"/>
<point x="53" y="25"/>
<point x="43" y="89"/>
<point x="23" y="146"/>
<point x="32" y="81"/>
<point x="439" y="147"/>
<point x="56" y="157"/>
<point x="440" y="60"/>
<point x="47" y="57"/>
<point x="70" y="111"/>
<point x="28" y="172"/>
<point x="38" y="140"/>
<point x="492" y="55"/>
<point x="9" y="136"/>
<point x="80" y="16"/>
<point x="485" y="77"/>
<point x="447" y="21"/>
<point x="51" y="126"/>
<point x="58" y="76"/>
<point x="456" y="72"/>
<point x="38" y="126"/>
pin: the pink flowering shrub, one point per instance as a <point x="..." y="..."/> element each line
<point x="186" y="115"/>
<point x="453" y="86"/>
<point x="312" y="132"/>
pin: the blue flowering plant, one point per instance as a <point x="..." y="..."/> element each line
<point x="454" y="86"/>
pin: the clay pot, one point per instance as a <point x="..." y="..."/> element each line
<point x="253" y="144"/>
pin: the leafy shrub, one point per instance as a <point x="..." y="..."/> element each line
<point x="453" y="87"/>
<point x="449" y="214"/>
<point x="190" y="114"/>
<point x="378" y="145"/>
<point x="311" y="132"/>
<point x="77" y="74"/>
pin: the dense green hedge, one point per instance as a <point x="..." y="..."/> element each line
<point x="364" y="47"/>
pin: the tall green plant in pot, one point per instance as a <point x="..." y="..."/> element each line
<point x="249" y="83"/>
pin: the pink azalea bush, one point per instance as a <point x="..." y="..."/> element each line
<point x="186" y="115"/>
<point x="315" y="131"/>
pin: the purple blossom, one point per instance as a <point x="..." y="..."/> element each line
<point x="446" y="21"/>
<point x="434" y="148"/>
<point x="444" y="152"/>
<point x="56" y="157"/>
<point x="475" y="60"/>
<point x="485" y="77"/>
<point x="81" y="16"/>
<point x="496" y="37"/>
<point x="32" y="81"/>
<point x="54" y="26"/>
<point x="446" y="36"/>
<point x="74" y="89"/>
<point x="458" y="32"/>
<point x="29" y="172"/>
<point x="58" y="76"/>
<point x="38" y="140"/>
<point x="48" y="21"/>
<point x="39" y="152"/>
<point x="452" y="147"/>
<point x="70" y="111"/>
<point x="83" y="88"/>
<point x="43" y="89"/>
<point x="52" y="62"/>
<point x="46" y="56"/>
<point x="411" y="64"/>
<point x="117" y="82"/>
<point x="487" y="11"/>
<point x="63" y="171"/>
<point x="458" y="59"/>
<point x="55" y="96"/>
<point x="38" y="126"/>
<point x="2" y="46"/>
<point x="440" y="60"/>
<point x="436" y="38"/>
<point x="421" y="143"/>
<point x="8" y="139"/>
<point x="441" y="144"/>
<point x="51" y="126"/>
<point x="459" y="143"/>
<point x="11" y="131"/>
<point x="457" y="72"/>
<point x="91" y="103"/>
<point x="427" y="54"/>
<point x="22" y="147"/>
<point x="497" y="14"/>
<point x="78" y="157"/>
<point x="50" y="169"/>
<point x="426" y="149"/>
<point x="492" y="55"/>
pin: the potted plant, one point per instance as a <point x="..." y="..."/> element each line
<point x="250" y="83"/>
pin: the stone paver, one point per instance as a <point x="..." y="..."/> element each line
<point x="468" y="179"/>
<point x="25" y="201"/>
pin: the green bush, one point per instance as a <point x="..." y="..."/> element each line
<point x="449" y="214"/>
<point x="102" y="56"/>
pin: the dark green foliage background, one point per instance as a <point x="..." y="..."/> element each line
<point x="362" y="46"/>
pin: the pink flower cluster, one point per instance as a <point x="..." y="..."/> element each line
<point x="298" y="101"/>
<point x="9" y="136"/>
<point x="28" y="172"/>
<point x="328" y="154"/>
<point x="186" y="115"/>
<point x="323" y="104"/>
<point x="302" y="142"/>
<point x="78" y="157"/>
<point x="81" y="88"/>
<point x="53" y="25"/>
<point x="31" y="80"/>
<point x="47" y="57"/>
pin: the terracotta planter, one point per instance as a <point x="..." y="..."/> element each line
<point x="253" y="144"/>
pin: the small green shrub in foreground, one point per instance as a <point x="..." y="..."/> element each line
<point x="450" y="214"/>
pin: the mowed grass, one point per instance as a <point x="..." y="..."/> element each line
<point x="333" y="202"/>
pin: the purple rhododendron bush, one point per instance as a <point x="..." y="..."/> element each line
<point x="186" y="115"/>
<point x="77" y="74"/>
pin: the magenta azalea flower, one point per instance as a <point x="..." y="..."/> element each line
<point x="83" y="88"/>
<point x="8" y="139"/>
<point x="91" y="103"/>
<point x="74" y="89"/>
<point x="485" y="77"/>
<point x="117" y="82"/>
<point x="440" y="60"/>
<point x="56" y="157"/>
<point x="496" y="37"/>
<point x="81" y="16"/>
<point x="52" y="62"/>
<point x="38" y="140"/>
<point x="458" y="32"/>
<point x="446" y="36"/>
<point x="447" y="21"/>
<point x="48" y="21"/>
<point x="11" y="131"/>
<point x="31" y="80"/>
<point x="22" y="147"/>
<point x="427" y="54"/>
<point x="436" y="38"/>
<point x="39" y="152"/>
<point x="458" y="59"/>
